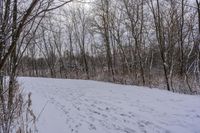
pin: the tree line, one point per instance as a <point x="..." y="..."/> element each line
<point x="142" y="42"/>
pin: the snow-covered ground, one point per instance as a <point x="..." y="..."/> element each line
<point x="78" y="106"/>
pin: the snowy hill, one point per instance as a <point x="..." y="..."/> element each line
<point x="78" y="106"/>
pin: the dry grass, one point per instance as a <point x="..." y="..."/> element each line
<point x="19" y="117"/>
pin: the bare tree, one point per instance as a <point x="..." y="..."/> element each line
<point x="80" y="24"/>
<point x="104" y="27"/>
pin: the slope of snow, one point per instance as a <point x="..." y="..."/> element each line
<point x="78" y="106"/>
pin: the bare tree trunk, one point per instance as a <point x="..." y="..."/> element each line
<point x="13" y="58"/>
<point x="105" y="5"/>
<point x="1" y="44"/>
<point x="161" y="39"/>
<point x="198" y="45"/>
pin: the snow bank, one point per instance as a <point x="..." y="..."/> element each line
<point x="78" y="106"/>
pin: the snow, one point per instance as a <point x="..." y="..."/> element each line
<point x="79" y="106"/>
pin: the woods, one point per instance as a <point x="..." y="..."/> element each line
<point x="148" y="43"/>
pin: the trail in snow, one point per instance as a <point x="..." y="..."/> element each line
<point x="78" y="106"/>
